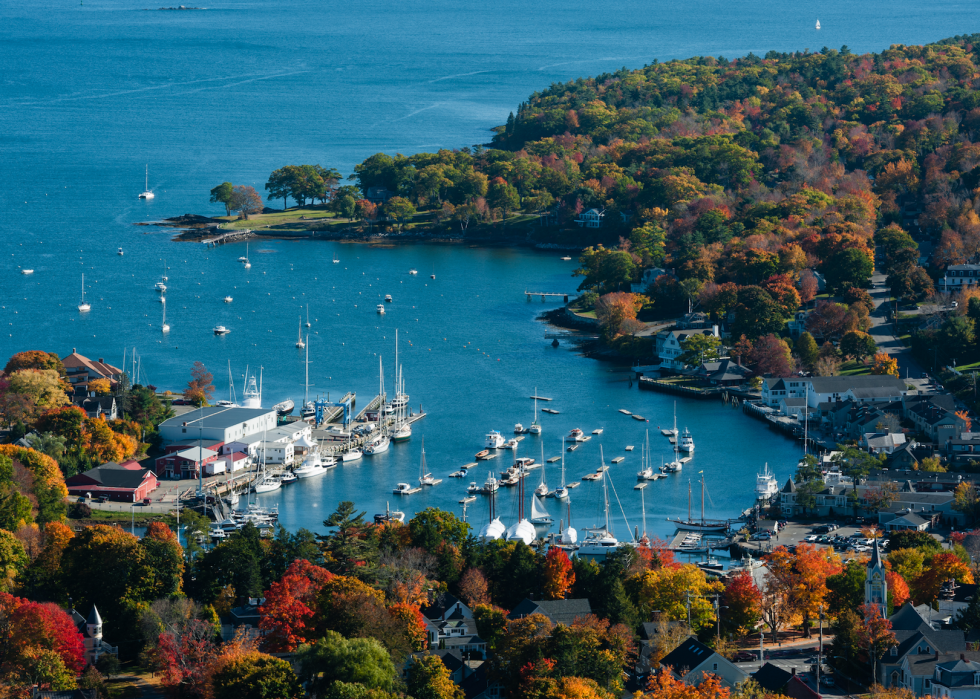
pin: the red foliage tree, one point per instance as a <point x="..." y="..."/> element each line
<point x="827" y="320"/>
<point x="290" y="604"/>
<point x="744" y="602"/>
<point x="771" y="356"/>
<point x="414" y="622"/>
<point x="28" y="627"/>
<point x="898" y="589"/>
<point x="184" y="658"/>
<point x="809" y="286"/>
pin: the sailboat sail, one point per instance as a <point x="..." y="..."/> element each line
<point x="538" y="513"/>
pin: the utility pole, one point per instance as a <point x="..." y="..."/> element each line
<point x="820" y="649"/>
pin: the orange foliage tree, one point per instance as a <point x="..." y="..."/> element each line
<point x="558" y="574"/>
<point x="802" y="578"/>
<point x="884" y="365"/>
<point x="898" y="589"/>
<point x="664" y="685"/>
<point x="414" y="624"/>
<point x="940" y="568"/>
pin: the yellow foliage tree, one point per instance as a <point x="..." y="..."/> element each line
<point x="101" y="387"/>
<point x="884" y="365"/>
<point x="666" y="590"/>
<point x="42" y="388"/>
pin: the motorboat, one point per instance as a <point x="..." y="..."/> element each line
<point x="160" y="286"/>
<point x="83" y="307"/>
<point x="225" y="404"/>
<point x="482" y="454"/>
<point x="311" y="466"/>
<point x="510" y="444"/>
<point x="387" y="298"/>
<point x="27" y="271"/>
<point x="285" y="407"/>
<point x="147" y="194"/>
<point x="491" y="485"/>
<point x="389" y="516"/>
<point x="287" y="478"/>
<point x="686" y="442"/>
<point x="577" y="435"/>
<point x="228" y="299"/>
<point x="473" y="488"/>
<point x="309" y="411"/>
<point x="494" y="440"/>
<point x="221" y="330"/>
<point x="413" y="272"/>
<point x="457" y="474"/>
<point x="352" y="455"/>
<point x="518" y="428"/>
<point x="403" y="489"/>
<point x="381" y="308"/>
<point x="524" y="463"/>
<point x="119" y="251"/>
<point x="766" y="484"/>
<point x="217" y="533"/>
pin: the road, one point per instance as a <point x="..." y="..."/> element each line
<point x="883" y="332"/>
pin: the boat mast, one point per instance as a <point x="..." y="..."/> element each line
<point x="702" y="499"/>
<point x="689" y="501"/>
<point x="562" y="463"/>
<point x="605" y="495"/>
<point x="306" y="393"/>
<point x="542" y="458"/>
<point x="806" y="416"/>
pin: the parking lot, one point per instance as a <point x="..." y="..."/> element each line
<point x="803" y="661"/>
<point x="843" y="538"/>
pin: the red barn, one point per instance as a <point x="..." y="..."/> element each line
<point x="125" y="482"/>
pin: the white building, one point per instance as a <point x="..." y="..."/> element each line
<point x="291" y="432"/>
<point x="591" y="218"/>
<point x="832" y="389"/>
<point x="669" y="346"/>
<point x="958" y="276"/>
<point x="649" y="277"/>
<point x="218" y="424"/>
<point x="277" y="453"/>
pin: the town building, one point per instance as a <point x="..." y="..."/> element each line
<point x="220" y="424"/>
<point x="649" y="276"/>
<point x="559" y="611"/>
<point x="875" y="585"/>
<point x="669" y="346"/>
<point x="81" y="370"/>
<point x="186" y="460"/>
<point x="125" y="482"/>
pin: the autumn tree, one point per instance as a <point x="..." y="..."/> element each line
<point x="41" y="389"/>
<point x="938" y="569"/>
<point x="356" y="661"/>
<point x="874" y="635"/>
<point x="245" y="200"/>
<point x="39" y="644"/>
<point x="802" y="578"/>
<point x="744" y="601"/>
<point x="884" y="365"/>
<point x="858" y="345"/>
<point x="429" y="678"/>
<point x="101" y="387"/>
<point x="200" y="388"/>
<point x="37" y="360"/>
<point x="613" y="309"/>
<point x="809" y="286"/>
<point x="290" y="605"/>
<point x="255" y="676"/>
<point x="670" y="590"/>
<point x="771" y="356"/>
<point x="665" y="685"/>
<point x="473" y="588"/>
<point x="558" y="574"/>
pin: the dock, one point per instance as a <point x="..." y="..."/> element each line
<point x="591" y="476"/>
<point x="435" y="481"/>
<point x="618" y="459"/>
<point x="573" y="447"/>
<point x="468" y="466"/>
<point x="667" y="433"/>
<point x="467" y="500"/>
<point x="410" y="491"/>
<point x="549" y="410"/>
<point x="553" y="459"/>
<point x="639" y="417"/>
<point x="629" y="447"/>
<point x="546" y="294"/>
<point x="541" y="398"/>
<point x="487" y="457"/>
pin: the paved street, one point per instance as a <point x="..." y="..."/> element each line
<point x="883" y="332"/>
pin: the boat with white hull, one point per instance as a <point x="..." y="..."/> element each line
<point x="766" y="484"/>
<point x="698" y="525"/>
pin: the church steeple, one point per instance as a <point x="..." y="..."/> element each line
<point x="875" y="584"/>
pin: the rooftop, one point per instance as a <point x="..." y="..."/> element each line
<point x="111" y="475"/>
<point x="216" y="417"/>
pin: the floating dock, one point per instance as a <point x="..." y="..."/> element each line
<point x="629" y="447"/>
<point x="667" y="433"/>
<point x="618" y="459"/>
<point x="410" y="491"/>
<point x="573" y="447"/>
<point x="435" y="481"/>
<point x="470" y="465"/>
<point x="487" y="457"/>
<point x="553" y="459"/>
<point x="549" y="410"/>
<point x="639" y="417"/>
<point x="541" y="398"/>
<point x="467" y="500"/>
<point x="625" y="412"/>
<point x="591" y="476"/>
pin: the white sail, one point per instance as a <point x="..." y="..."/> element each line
<point x="539" y="515"/>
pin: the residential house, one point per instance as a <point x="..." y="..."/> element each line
<point x="906" y="664"/>
<point x="81" y="370"/>
<point x="97" y="406"/>
<point x="378" y="195"/>
<point x="834" y="389"/>
<point x="882" y="442"/>
<point x="937" y="423"/>
<point x="450" y="625"/>
<point x="959" y="276"/>
<point x="648" y="277"/>
<point x="125" y="482"/>
<point x="798" y="324"/>
<point x="793" y="407"/>
<point x="669" y="346"/>
<point x="592" y="218"/>
<point x="723" y="372"/>
<point x="964" y="450"/>
<point x="694" y="321"/>
<point x="692" y="661"/>
<point x="560" y="611"/>
<point x="776" y="680"/>
<point x="942" y="674"/>
<point x="245" y="617"/>
<point x="220" y="424"/>
<point x="90" y="628"/>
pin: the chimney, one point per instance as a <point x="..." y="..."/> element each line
<point x="101" y="360"/>
<point x="793" y="669"/>
<point x="963" y="657"/>
<point x="73" y="350"/>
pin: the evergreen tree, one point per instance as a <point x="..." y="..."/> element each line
<point x="348" y="550"/>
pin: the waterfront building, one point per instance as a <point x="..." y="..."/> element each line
<point x="275" y="453"/>
<point x="125" y="482"/>
<point x="224" y="425"/>
<point x="81" y="370"/>
<point x="669" y="346"/>
<point x="186" y="460"/>
<point x="833" y="389"/>
<point x="593" y="218"/>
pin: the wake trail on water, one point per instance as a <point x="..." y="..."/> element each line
<point x="120" y="93"/>
<point x="458" y="75"/>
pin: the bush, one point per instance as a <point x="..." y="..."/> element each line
<point x="80" y="511"/>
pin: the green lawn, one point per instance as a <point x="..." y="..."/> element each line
<point x="854" y="368"/>
<point x="969" y="367"/>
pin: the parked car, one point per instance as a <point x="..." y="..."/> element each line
<point x="103" y="498"/>
<point x="743" y="656"/>
<point x="810" y="539"/>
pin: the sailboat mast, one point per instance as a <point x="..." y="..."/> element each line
<point x="605" y="495"/>
<point x="563" y="463"/>
<point x="689" y="501"/>
<point x="702" y="500"/>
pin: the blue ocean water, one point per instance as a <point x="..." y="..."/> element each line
<point x="92" y="92"/>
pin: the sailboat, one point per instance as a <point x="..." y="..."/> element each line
<point x="562" y="492"/>
<point x="380" y="444"/>
<point x="542" y="488"/>
<point x="494" y="529"/>
<point x="569" y="535"/>
<point x="539" y="515"/>
<point x="524" y="529"/>
<point x="426" y="478"/>
<point x="307" y="315"/>
<point x="164" y="327"/>
<point x="818" y="24"/>
<point x="83" y="307"/>
<point x="403" y="430"/>
<point x="299" y="335"/>
<point x="646" y="472"/>
<point x="336" y="260"/>
<point x="147" y="194"/>
<point x="535" y="428"/>
<point x="267" y="484"/>
<point x="599" y="541"/>
<point x="308" y="411"/>
<point x="247" y="264"/>
<point x="703" y="525"/>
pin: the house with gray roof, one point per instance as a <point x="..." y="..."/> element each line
<point x="882" y="442"/>
<point x="936" y="422"/>
<point x="917" y="639"/>
<point x="945" y="675"/>
<point x="560" y="611"/>
<point x="692" y="661"/>
<point x="834" y="389"/>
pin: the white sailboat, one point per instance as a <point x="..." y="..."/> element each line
<point x="146" y="193"/>
<point x="245" y="261"/>
<point x="818" y="24"/>
<point x="676" y="465"/>
<point x="562" y="492"/>
<point x="380" y="444"/>
<point x="569" y="536"/>
<point x="542" y="489"/>
<point x="494" y="529"/>
<point x="599" y="541"/>
<point x="646" y="472"/>
<point x="83" y="306"/>
<point x="535" y="428"/>
<point x="267" y="483"/>
<point x="299" y="335"/>
<point x="402" y="428"/>
<point x="539" y="515"/>
<point x="424" y="477"/>
<point x="524" y="529"/>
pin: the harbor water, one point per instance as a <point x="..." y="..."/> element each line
<point x="91" y="93"/>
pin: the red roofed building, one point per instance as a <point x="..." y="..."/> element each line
<point x="81" y="370"/>
<point x="125" y="482"/>
<point x="187" y="459"/>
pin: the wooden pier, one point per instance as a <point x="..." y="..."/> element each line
<point x="618" y="459"/>
<point x="546" y="294"/>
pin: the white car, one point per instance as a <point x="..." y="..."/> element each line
<point x="811" y="539"/>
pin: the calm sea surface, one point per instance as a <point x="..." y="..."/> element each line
<point x="90" y="93"/>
